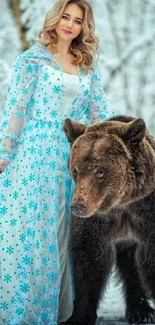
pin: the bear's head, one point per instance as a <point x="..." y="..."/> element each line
<point x="112" y="164"/>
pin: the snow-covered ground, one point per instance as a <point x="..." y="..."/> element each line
<point x="112" y="306"/>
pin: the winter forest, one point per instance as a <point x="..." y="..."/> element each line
<point x="127" y="42"/>
<point x="126" y="29"/>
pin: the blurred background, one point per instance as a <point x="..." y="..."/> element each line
<point x="127" y="45"/>
<point x="126" y="29"/>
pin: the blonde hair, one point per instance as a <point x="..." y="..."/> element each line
<point x="84" y="46"/>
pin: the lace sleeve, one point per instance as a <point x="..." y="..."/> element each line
<point x="18" y="105"/>
<point x="98" y="105"/>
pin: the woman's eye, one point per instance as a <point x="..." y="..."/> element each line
<point x="78" y="22"/>
<point x="65" y="17"/>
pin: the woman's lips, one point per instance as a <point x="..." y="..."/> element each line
<point x="67" y="31"/>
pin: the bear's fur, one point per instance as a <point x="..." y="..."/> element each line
<point x="113" y="215"/>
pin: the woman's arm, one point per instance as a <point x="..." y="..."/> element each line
<point x="98" y="104"/>
<point x="18" y="104"/>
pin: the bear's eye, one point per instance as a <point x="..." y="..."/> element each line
<point x="74" y="173"/>
<point x="99" y="173"/>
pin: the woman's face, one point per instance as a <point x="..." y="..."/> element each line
<point x="70" y="24"/>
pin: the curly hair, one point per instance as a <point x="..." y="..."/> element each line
<point x="84" y="46"/>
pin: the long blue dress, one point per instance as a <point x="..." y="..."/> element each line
<point x="35" y="188"/>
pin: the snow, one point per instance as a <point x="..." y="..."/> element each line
<point x="126" y="65"/>
<point x="127" y="45"/>
<point x="112" y="305"/>
<point x="9" y="48"/>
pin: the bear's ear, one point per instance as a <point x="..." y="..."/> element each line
<point x="73" y="129"/>
<point x="135" y="131"/>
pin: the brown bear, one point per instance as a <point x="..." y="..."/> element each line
<point x="113" y="215"/>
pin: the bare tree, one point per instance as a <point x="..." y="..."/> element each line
<point x="9" y="47"/>
<point x="128" y="41"/>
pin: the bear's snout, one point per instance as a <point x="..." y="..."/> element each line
<point x="78" y="209"/>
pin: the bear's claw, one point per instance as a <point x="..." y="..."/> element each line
<point x="140" y="317"/>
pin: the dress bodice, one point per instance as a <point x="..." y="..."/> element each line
<point x="71" y="85"/>
<point x="59" y="95"/>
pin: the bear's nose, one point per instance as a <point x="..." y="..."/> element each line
<point x="78" y="209"/>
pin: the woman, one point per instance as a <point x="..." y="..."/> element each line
<point x="53" y="80"/>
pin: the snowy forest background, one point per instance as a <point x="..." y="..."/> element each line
<point x="127" y="44"/>
<point x="126" y="29"/>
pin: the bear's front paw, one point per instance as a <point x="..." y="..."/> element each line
<point x="146" y="316"/>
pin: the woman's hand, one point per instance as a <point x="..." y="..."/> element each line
<point x="3" y="164"/>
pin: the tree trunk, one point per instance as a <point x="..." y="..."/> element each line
<point x="17" y="12"/>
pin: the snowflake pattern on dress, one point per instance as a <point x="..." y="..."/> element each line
<point x="33" y="141"/>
